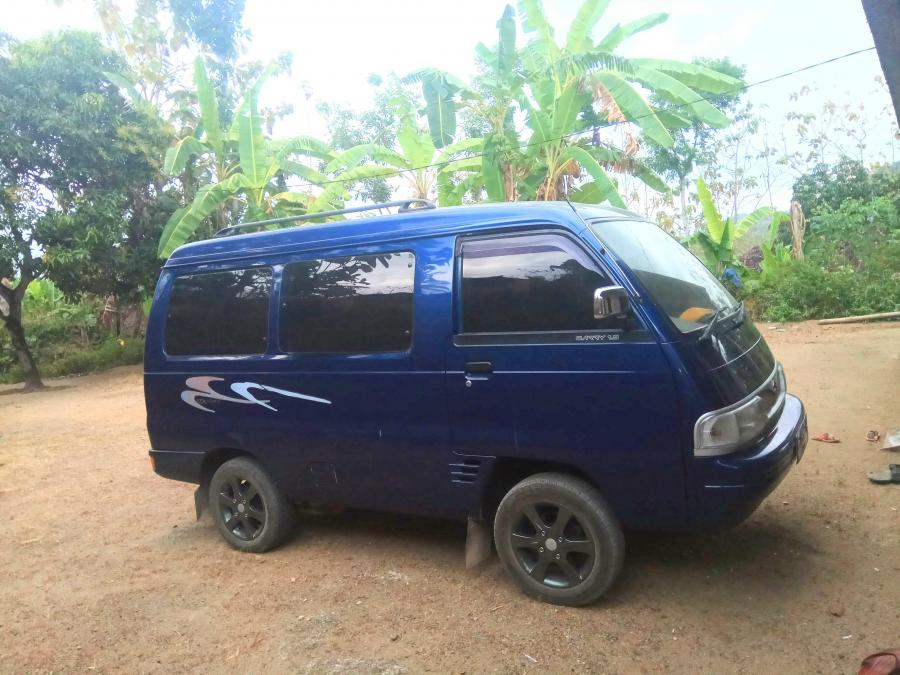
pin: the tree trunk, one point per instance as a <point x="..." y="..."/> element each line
<point x="884" y="21"/>
<point x="26" y="360"/>
<point x="11" y="314"/>
<point x="509" y="182"/>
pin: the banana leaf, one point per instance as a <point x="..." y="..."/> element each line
<point x="178" y="155"/>
<point x="252" y="149"/>
<point x="620" y="32"/>
<point x="670" y="89"/>
<point x="185" y="221"/>
<point x="209" y="107"/>
<point x="579" y="37"/>
<point x="597" y="172"/>
<point x="693" y="75"/>
<point x="634" y="107"/>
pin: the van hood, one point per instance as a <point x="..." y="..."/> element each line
<point x="735" y="361"/>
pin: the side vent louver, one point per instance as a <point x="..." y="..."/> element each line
<point x="465" y="471"/>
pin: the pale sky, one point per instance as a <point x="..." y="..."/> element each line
<point x="338" y="43"/>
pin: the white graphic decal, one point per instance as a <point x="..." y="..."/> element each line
<point x="201" y="387"/>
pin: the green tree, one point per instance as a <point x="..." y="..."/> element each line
<point x="244" y="172"/>
<point x="831" y="184"/>
<point x="563" y="90"/>
<point x="108" y="245"/>
<point x="71" y="151"/>
<point x="692" y="144"/>
<point x="377" y="124"/>
<point x="417" y="161"/>
<point x="717" y="242"/>
<point x="155" y="37"/>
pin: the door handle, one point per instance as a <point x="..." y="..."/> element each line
<point x="478" y="370"/>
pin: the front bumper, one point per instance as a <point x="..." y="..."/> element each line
<point x="727" y="489"/>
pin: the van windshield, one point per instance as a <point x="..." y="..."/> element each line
<point x="678" y="282"/>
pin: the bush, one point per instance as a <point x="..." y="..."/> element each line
<point x="801" y="290"/>
<point x="108" y="353"/>
<point x="850" y="267"/>
<point x="861" y="234"/>
<point x="64" y="337"/>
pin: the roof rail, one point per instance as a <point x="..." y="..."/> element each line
<point x="405" y="206"/>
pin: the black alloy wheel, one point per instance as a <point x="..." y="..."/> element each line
<point x="552" y="544"/>
<point x="242" y="509"/>
<point x="559" y="539"/>
<point x="249" y="510"/>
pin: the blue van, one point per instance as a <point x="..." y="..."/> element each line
<point x="551" y="373"/>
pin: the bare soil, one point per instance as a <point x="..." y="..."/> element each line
<point x="103" y="567"/>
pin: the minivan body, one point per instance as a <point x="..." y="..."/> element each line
<point x="429" y="362"/>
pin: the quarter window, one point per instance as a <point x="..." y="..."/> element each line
<point x="348" y="305"/>
<point x="220" y="313"/>
<point x="530" y="283"/>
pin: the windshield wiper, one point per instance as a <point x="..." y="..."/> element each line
<point x="718" y="316"/>
<point x="709" y="327"/>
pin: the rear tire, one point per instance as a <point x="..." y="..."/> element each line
<point x="249" y="510"/>
<point x="559" y="539"/>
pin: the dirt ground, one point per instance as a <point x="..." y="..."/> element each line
<point x="105" y="569"/>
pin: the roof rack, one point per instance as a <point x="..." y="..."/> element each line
<point x="405" y="206"/>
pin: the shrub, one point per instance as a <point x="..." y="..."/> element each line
<point x="850" y="267"/>
<point x="108" y="353"/>
<point x="861" y="234"/>
<point x="801" y="290"/>
<point x="64" y="337"/>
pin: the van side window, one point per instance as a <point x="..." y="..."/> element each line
<point x="348" y="305"/>
<point x="219" y="313"/>
<point x="530" y="283"/>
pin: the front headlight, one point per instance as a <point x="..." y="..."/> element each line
<point x="733" y="428"/>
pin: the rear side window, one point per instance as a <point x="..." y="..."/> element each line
<point x="220" y="313"/>
<point x="347" y="305"/>
<point x="530" y="283"/>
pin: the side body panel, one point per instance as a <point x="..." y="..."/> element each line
<point x="379" y="442"/>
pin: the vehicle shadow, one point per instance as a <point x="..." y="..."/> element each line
<point x="421" y="536"/>
<point x="763" y="558"/>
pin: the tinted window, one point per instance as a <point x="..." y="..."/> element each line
<point x="541" y="283"/>
<point x="355" y="304"/>
<point x="221" y="313"/>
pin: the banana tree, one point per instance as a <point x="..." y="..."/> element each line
<point x="245" y="169"/>
<point x="493" y="99"/>
<point x="774" y="253"/>
<point x="717" y="243"/>
<point x="563" y="90"/>
<point x="420" y="164"/>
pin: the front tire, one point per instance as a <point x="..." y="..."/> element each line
<point x="249" y="510"/>
<point x="559" y="539"/>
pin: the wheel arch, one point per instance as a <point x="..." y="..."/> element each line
<point x="508" y="471"/>
<point x="213" y="459"/>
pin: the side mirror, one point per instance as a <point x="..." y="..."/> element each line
<point x="610" y="301"/>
